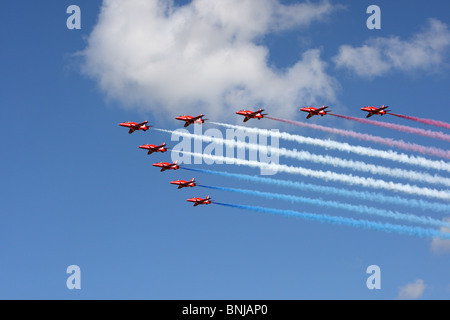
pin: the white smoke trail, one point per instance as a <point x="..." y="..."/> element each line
<point x="327" y="160"/>
<point x="330" y="176"/>
<point x="365" y="196"/>
<point x="345" y="147"/>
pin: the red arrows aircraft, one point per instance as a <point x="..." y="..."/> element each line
<point x="166" y="166"/>
<point x="190" y="119"/>
<point x="252" y="114"/>
<point x="152" y="148"/>
<point x="183" y="183"/>
<point x="372" y="110"/>
<point x="135" y="126"/>
<point x="198" y="201"/>
<point x="314" y="111"/>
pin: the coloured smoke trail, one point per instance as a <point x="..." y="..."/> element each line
<point x="436" y="123"/>
<point x="398" y="127"/>
<point x="400" y="144"/>
<point x="345" y="147"/>
<point x="364" y="224"/>
<point x="326" y="160"/>
<point x="318" y="189"/>
<point x="361" y="209"/>
<point x="328" y="176"/>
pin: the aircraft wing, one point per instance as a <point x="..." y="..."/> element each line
<point x="197" y="117"/>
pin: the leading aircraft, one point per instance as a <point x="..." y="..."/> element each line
<point x="190" y="119"/>
<point x="315" y="111"/>
<point x="167" y="166"/>
<point x="135" y="126"/>
<point x="152" y="148"/>
<point x="184" y="184"/>
<point x="198" y="201"/>
<point x="252" y="114"/>
<point x="372" y="110"/>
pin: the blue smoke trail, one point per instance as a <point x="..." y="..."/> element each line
<point x="337" y="205"/>
<point x="365" y="224"/>
<point x="363" y="195"/>
<point x="326" y="175"/>
<point x="323" y="159"/>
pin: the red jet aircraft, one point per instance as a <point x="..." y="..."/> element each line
<point x="152" y="148"/>
<point x="190" y="119"/>
<point x="314" y="111"/>
<point x="372" y="110"/>
<point x="135" y="126"/>
<point x="252" y="114"/>
<point x="166" y="166"/>
<point x="183" y="183"/>
<point x="198" y="201"/>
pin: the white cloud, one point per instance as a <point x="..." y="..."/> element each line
<point x="425" y="50"/>
<point x="412" y="290"/>
<point x="204" y="57"/>
<point x="441" y="245"/>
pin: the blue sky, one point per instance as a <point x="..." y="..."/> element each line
<point x="77" y="190"/>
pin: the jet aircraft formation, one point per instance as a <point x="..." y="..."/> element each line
<point x="338" y="177"/>
<point x="247" y="114"/>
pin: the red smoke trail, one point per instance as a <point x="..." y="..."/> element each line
<point x="418" y="131"/>
<point x="367" y="137"/>
<point x="436" y="123"/>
